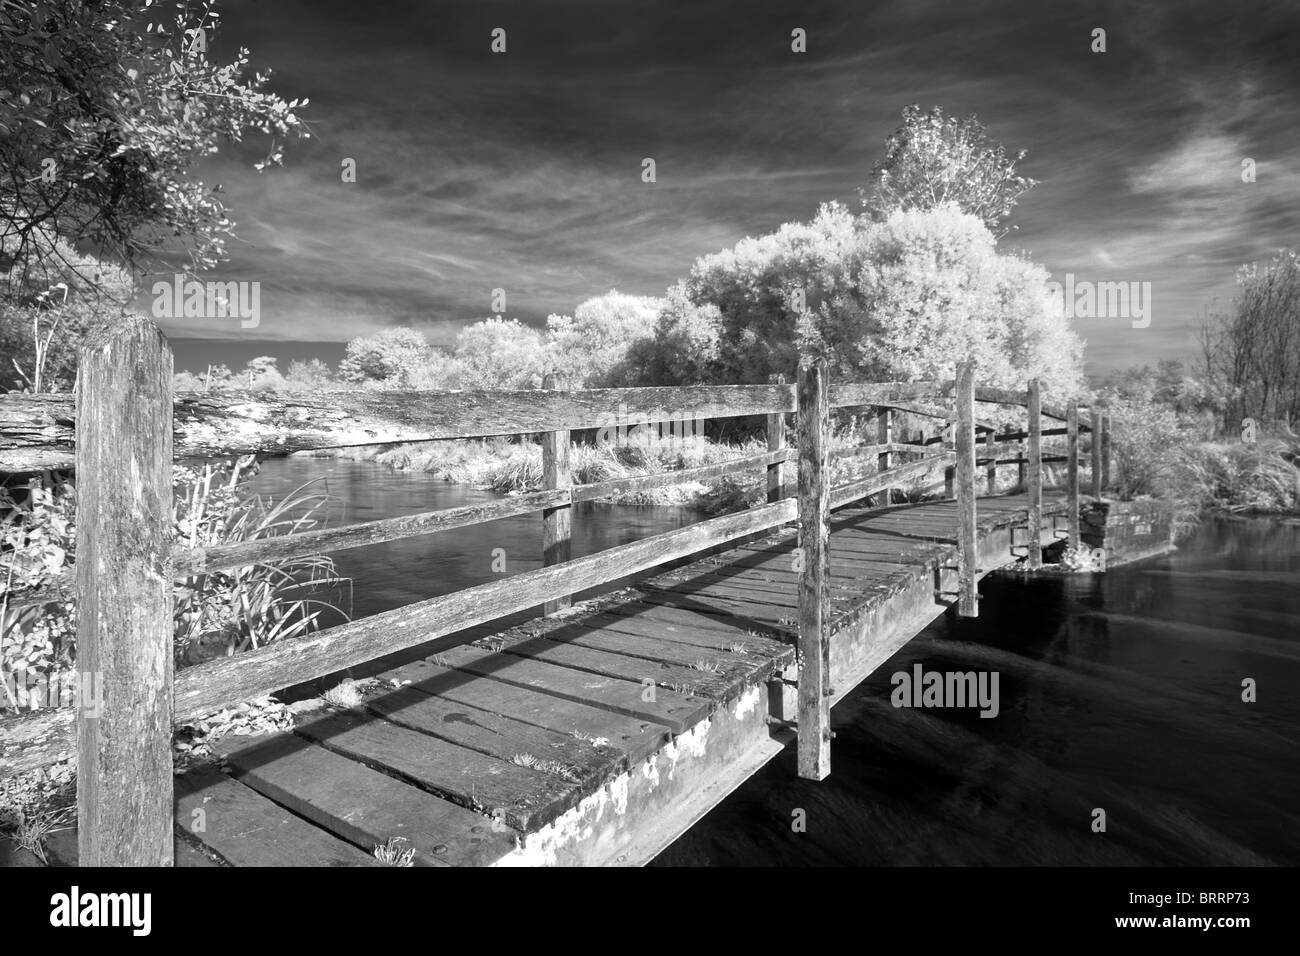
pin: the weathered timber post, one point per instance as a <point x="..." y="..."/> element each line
<point x="968" y="547"/>
<point x="991" y="464"/>
<point x="124" y="597"/>
<point x="1072" y="471"/>
<point x="1105" y="451"/>
<point x="1035" y="403"/>
<point x="1094" y="428"/>
<point x="557" y="523"/>
<point x="776" y="442"/>
<point x="885" y="436"/>
<point x="814" y="538"/>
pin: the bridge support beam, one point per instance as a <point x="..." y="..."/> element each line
<point x="557" y="523"/>
<point x="968" y="547"/>
<point x="1035" y="475"/>
<point x="1094" y="429"/>
<point x="1072" y="471"/>
<point x="814" y="728"/>
<point x="124" y="597"/>
<point x="776" y="474"/>
<point x="885" y="436"/>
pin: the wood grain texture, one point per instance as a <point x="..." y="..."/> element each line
<point x="229" y="813"/>
<point x="1096" y="452"/>
<point x="557" y="521"/>
<point x="1034" y="475"/>
<point x="1072" y="472"/>
<point x="124" y="597"/>
<point x="1105" y="451"/>
<point x="776" y="443"/>
<point x="968" y="594"/>
<point x="37" y="431"/>
<point x="814" y="744"/>
<point x="885" y="437"/>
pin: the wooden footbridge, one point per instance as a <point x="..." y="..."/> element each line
<point x="593" y="734"/>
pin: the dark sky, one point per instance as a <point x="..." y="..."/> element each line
<point x="522" y="170"/>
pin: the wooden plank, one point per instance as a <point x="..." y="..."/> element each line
<point x="36" y="738"/>
<point x="1072" y="473"/>
<point x="502" y="737"/>
<point x="967" y="537"/>
<point x="814" y="739"/>
<point x="631" y="698"/>
<point x="520" y="796"/>
<point x="329" y="540"/>
<point x="1105" y="451"/>
<point x="1096" y="452"/>
<point x="701" y="683"/>
<point x="776" y="443"/>
<point x="694" y="629"/>
<point x="247" y="829"/>
<point x="557" y="522"/>
<point x="991" y="465"/>
<point x="885" y="436"/>
<point x="1035" y="476"/>
<point x="874" y="484"/>
<point x="205" y="687"/>
<point x="37" y="431"/>
<point x="742" y="612"/>
<point x="361" y="805"/>
<point x="124" y="599"/>
<point x="634" y="738"/>
<point x="737" y="666"/>
<point x="847" y="394"/>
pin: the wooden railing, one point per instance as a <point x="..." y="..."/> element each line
<point x="129" y="427"/>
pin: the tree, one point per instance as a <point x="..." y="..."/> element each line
<point x="683" y="349"/>
<point x="931" y="160"/>
<point x="104" y="109"/>
<point x="312" y="375"/>
<point x="263" y="374"/>
<point x="1251" y="356"/>
<point x="591" y="346"/>
<point x="764" y="290"/>
<point x="390" y="356"/>
<point x="931" y="289"/>
<point x="499" y="353"/>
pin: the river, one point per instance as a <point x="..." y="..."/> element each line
<point x="1119" y="692"/>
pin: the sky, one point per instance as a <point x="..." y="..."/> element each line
<point x="522" y="170"/>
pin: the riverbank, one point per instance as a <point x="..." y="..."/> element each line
<point x="504" y="466"/>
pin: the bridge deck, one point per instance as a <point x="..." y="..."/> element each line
<point x="595" y="737"/>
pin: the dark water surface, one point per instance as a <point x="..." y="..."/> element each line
<point x="389" y="575"/>
<point x="1119" y="691"/>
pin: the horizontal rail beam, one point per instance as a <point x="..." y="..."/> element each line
<point x="663" y="479"/>
<point x="36" y="431"/>
<point x="206" y="687"/>
<point x="874" y="484"/>
<point x="324" y="541"/>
